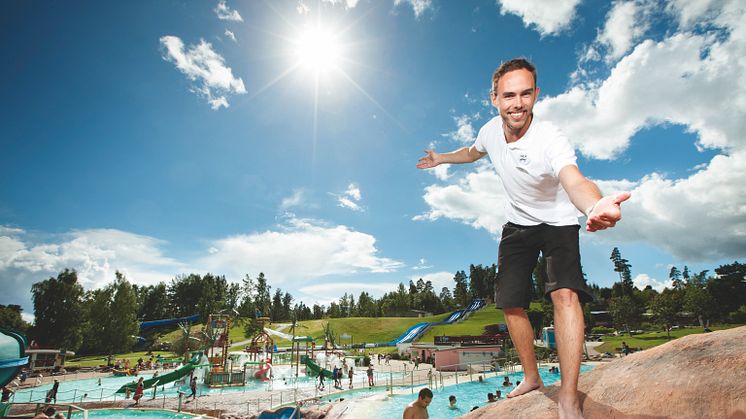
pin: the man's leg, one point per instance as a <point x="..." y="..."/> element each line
<point x="522" y="335"/>
<point x="569" y="326"/>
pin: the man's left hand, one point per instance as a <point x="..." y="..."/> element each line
<point x="607" y="212"/>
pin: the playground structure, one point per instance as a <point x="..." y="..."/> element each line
<point x="198" y="361"/>
<point x="222" y="372"/>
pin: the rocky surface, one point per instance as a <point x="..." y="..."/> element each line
<point x="697" y="376"/>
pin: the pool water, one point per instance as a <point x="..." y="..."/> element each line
<point x="468" y="395"/>
<point x="134" y="413"/>
<point x="87" y="390"/>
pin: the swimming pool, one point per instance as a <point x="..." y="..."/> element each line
<point x="87" y="390"/>
<point x="135" y="413"/>
<point x="467" y="395"/>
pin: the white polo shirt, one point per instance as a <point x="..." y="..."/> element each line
<point x="529" y="169"/>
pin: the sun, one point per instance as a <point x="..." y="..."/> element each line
<point x="318" y="49"/>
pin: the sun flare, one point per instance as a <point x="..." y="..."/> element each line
<point x="318" y="49"/>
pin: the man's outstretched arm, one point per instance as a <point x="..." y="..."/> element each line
<point x="462" y="155"/>
<point x="602" y="211"/>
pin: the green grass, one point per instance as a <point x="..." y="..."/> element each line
<point x="96" y="360"/>
<point x="362" y="329"/>
<point x="652" y="339"/>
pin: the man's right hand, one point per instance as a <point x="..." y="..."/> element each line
<point x="431" y="160"/>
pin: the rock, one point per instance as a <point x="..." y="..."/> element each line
<point x="696" y="376"/>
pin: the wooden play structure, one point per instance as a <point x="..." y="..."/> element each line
<point x="222" y="373"/>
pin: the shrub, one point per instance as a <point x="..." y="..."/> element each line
<point x="602" y="330"/>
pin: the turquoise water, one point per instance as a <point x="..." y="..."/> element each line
<point x="87" y="390"/>
<point x="134" y="413"/>
<point x="468" y="395"/>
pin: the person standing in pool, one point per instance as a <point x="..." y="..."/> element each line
<point x="545" y="194"/>
<point x="350" y="374"/>
<point x="418" y="408"/>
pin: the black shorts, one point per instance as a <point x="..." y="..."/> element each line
<point x="518" y="254"/>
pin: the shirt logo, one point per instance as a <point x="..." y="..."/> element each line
<point x="523" y="159"/>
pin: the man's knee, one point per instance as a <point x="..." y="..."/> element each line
<point x="514" y="311"/>
<point x="564" y="297"/>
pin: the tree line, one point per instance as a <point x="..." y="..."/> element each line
<point x="105" y="320"/>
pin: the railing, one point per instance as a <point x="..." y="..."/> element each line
<point x="36" y="408"/>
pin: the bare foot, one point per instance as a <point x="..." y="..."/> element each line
<point x="569" y="407"/>
<point x="525" y="387"/>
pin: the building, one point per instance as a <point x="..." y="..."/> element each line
<point x="47" y="359"/>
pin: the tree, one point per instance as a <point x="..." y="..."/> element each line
<point x="10" y="318"/>
<point x="626" y="312"/>
<point x="665" y="307"/>
<point x="446" y="299"/>
<point x="276" y="309"/>
<point x="623" y="267"/>
<point x="461" y="290"/>
<point x="540" y="279"/>
<point x="123" y="325"/>
<point x="675" y="276"/>
<point x="699" y="302"/>
<point x="728" y="287"/>
<point x="58" y="311"/>
<point x="261" y="294"/>
<point x="153" y="302"/>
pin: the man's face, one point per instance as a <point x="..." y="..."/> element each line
<point x="514" y="96"/>
<point x="426" y="402"/>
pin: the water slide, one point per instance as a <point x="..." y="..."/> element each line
<point x="411" y="333"/>
<point x="263" y="372"/>
<point x="417" y="330"/>
<point x="12" y="355"/>
<point x="287" y="336"/>
<point x="281" y="413"/>
<point x="166" y="378"/>
<point x="168" y="322"/>
<point x="313" y="369"/>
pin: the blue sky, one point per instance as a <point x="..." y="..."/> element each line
<point x="159" y="138"/>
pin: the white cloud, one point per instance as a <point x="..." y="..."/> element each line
<point x="477" y="200"/>
<point x="205" y="68"/>
<point x="625" y="24"/>
<point x="353" y="191"/>
<point x="5" y="230"/>
<point x="225" y="13"/>
<point x="643" y="280"/>
<point x="465" y="132"/>
<point x="231" y="35"/>
<point x="348" y="4"/>
<point x="294" y="200"/>
<point x="302" y="8"/>
<point x="421" y="264"/>
<point x="438" y="279"/>
<point x="418" y="6"/>
<point x="298" y="251"/>
<point x="94" y="254"/>
<point x="548" y="19"/>
<point x="325" y="293"/>
<point x="350" y="198"/>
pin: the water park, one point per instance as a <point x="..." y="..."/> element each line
<point x="263" y="379"/>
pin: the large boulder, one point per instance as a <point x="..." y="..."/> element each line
<point x="697" y="376"/>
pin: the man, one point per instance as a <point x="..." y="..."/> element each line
<point x="545" y="190"/>
<point x="418" y="408"/>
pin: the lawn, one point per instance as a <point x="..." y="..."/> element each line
<point x="651" y="339"/>
<point x="96" y="360"/>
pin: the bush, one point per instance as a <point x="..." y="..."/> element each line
<point x="602" y="330"/>
<point x="395" y="355"/>
<point x="366" y="360"/>
<point x="738" y="316"/>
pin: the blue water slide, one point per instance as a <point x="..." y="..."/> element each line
<point x="168" y="322"/>
<point x="453" y="317"/>
<point x="281" y="413"/>
<point x="410" y="334"/>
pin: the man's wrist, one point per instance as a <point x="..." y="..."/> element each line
<point x="591" y="208"/>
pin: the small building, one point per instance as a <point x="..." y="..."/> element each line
<point x="47" y="359"/>
<point x="459" y="358"/>
<point x="418" y="313"/>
